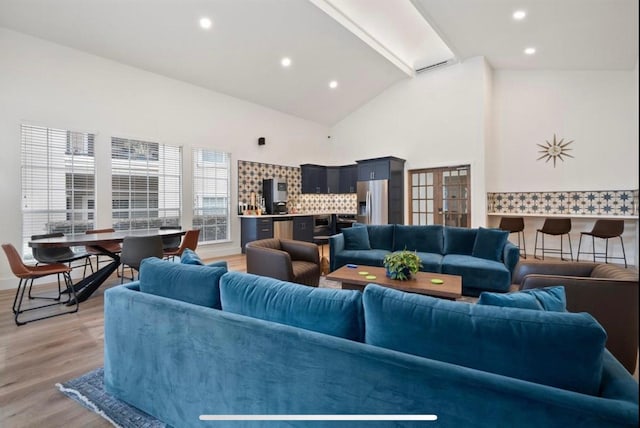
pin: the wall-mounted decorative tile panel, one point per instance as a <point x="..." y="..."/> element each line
<point x="592" y="203"/>
<point x="251" y="174"/>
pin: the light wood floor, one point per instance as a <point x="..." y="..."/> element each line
<point x="36" y="356"/>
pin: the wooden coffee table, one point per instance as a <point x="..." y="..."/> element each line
<point x="451" y="287"/>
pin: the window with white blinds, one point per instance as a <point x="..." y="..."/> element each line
<point x="211" y="194"/>
<point x="58" y="182"/>
<point x="146" y="184"/>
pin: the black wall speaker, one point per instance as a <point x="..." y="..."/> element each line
<point x="261" y="141"/>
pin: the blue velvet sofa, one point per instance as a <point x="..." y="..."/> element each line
<point x="483" y="257"/>
<point x="191" y="340"/>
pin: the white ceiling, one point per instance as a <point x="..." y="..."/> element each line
<point x="567" y="34"/>
<point x="366" y="45"/>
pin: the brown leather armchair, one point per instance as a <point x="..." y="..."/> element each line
<point x="285" y="259"/>
<point x="606" y="291"/>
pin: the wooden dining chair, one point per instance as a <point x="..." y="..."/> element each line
<point x="190" y="241"/>
<point x="112" y="247"/>
<point x="27" y="274"/>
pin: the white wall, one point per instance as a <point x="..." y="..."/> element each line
<point x="596" y="109"/>
<point x="46" y="84"/>
<point x="436" y="119"/>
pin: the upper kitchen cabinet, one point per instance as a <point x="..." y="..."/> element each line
<point x="348" y="179"/>
<point x="329" y="179"/>
<point x="333" y="179"/>
<point x="314" y="178"/>
<point x="379" y="168"/>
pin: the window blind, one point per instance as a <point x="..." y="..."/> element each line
<point x="57" y="182"/>
<point x="211" y="194"/>
<point x="146" y="184"/>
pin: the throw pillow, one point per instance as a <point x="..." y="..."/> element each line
<point x="542" y="299"/>
<point x="189" y="257"/>
<point x="489" y="244"/>
<point x="459" y="240"/>
<point x="560" y="349"/>
<point x="188" y="283"/>
<point x="356" y="238"/>
<point x="335" y="312"/>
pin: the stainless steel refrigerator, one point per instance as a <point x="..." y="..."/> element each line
<point x="373" y="202"/>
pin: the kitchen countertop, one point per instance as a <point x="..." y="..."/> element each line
<point x="292" y="215"/>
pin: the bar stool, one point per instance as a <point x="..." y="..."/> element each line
<point x="554" y="227"/>
<point x="515" y="225"/>
<point x="322" y="240"/>
<point x="604" y="229"/>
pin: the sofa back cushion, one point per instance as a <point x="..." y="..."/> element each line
<point x="381" y="236"/>
<point x="195" y="284"/>
<point x="356" y="238"/>
<point x="489" y="244"/>
<point x="330" y="311"/>
<point x="424" y="239"/>
<point x="459" y="240"/>
<point x="560" y="349"/>
<point x="542" y="299"/>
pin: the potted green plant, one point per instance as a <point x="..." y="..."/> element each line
<point x="402" y="264"/>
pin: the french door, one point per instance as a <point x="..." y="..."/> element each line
<point x="440" y="196"/>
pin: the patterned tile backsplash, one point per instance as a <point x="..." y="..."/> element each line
<point x="592" y="203"/>
<point x="251" y="174"/>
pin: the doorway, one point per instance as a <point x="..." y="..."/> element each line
<point x="440" y="196"/>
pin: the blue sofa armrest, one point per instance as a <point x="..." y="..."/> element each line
<point x="336" y="245"/>
<point x="511" y="256"/>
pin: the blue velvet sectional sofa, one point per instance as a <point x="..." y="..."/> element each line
<point x="191" y="340"/>
<point x="483" y="257"/>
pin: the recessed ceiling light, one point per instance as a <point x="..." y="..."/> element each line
<point x="530" y="51"/>
<point x="519" y="15"/>
<point x="205" y="23"/>
<point x="333" y="84"/>
<point x="286" y="62"/>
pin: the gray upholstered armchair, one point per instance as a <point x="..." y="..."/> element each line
<point x="606" y="291"/>
<point x="285" y="259"/>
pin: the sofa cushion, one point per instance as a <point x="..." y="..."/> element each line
<point x="381" y="236"/>
<point x="560" y="349"/>
<point x="189" y="257"/>
<point x="489" y="244"/>
<point x="425" y="239"/>
<point x="431" y="262"/>
<point x="356" y="238"/>
<point x="544" y="299"/>
<point x="329" y="311"/>
<point x="459" y="240"/>
<point x="188" y="283"/>
<point x="477" y="273"/>
<point x="361" y="257"/>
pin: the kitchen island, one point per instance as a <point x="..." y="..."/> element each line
<point x="298" y="226"/>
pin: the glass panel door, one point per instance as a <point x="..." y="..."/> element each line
<point x="440" y="196"/>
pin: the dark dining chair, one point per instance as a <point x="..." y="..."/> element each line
<point x="27" y="274"/>
<point x="604" y="229"/>
<point x="190" y="241"/>
<point x="171" y="243"/>
<point x="49" y="255"/>
<point x="137" y="248"/>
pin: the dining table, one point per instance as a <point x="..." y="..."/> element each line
<point x="89" y="284"/>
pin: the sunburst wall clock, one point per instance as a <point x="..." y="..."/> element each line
<point x="554" y="150"/>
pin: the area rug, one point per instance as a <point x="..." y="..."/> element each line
<point x="88" y="390"/>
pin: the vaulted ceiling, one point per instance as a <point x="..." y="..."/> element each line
<point x="364" y="46"/>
